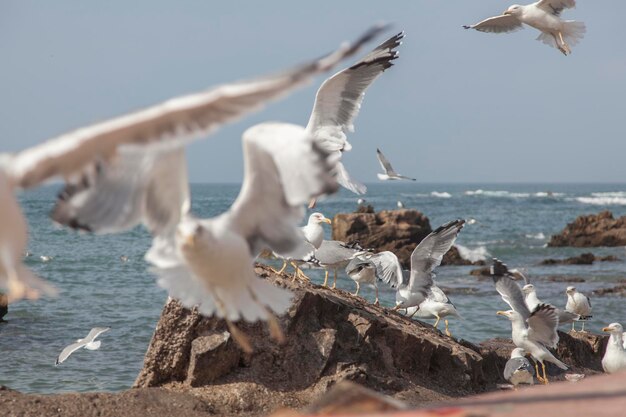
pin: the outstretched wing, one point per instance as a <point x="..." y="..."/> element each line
<point x="556" y="7"/>
<point x="508" y="289"/>
<point x="339" y="99"/>
<point x="171" y="123"/>
<point x="284" y="169"/>
<point x="388" y="268"/>
<point x="67" y="351"/>
<point x="542" y="325"/>
<point x="95" y="332"/>
<point x="384" y="163"/>
<point x="498" y="24"/>
<point x="517" y="364"/>
<point x="428" y="254"/>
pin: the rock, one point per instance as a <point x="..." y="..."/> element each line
<point x="211" y="357"/>
<point x="331" y="336"/>
<point x="459" y="290"/>
<point x="4" y="306"/>
<point x="592" y="230"/>
<point x="398" y="231"/>
<point x="365" y="209"/>
<point x="582" y="259"/>
<point x="618" y="290"/>
<point x="347" y="397"/>
<point x="481" y="272"/>
<point x="565" y="278"/>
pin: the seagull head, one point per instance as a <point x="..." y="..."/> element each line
<point x="514" y="10"/>
<point x="614" y="328"/>
<point x="509" y="314"/>
<point x="570" y="290"/>
<point x="318" y="218"/>
<point x="528" y="289"/>
<point x="189" y="233"/>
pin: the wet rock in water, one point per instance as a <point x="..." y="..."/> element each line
<point x="459" y="290"/>
<point x="618" y="290"/>
<point x="481" y="273"/>
<point x="565" y="278"/>
<point x="592" y="230"/>
<point x="365" y="209"/>
<point x="331" y="336"/>
<point x="582" y="259"/>
<point x="4" y="306"/>
<point x="398" y="231"/>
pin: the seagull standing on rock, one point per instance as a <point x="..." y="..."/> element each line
<point x="578" y="303"/>
<point x="544" y="16"/>
<point x="518" y="369"/>
<point x="614" y="359"/>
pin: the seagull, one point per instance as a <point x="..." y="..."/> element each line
<point x="389" y="174"/>
<point x="614" y="359"/>
<point x="518" y="369"/>
<point x="114" y="154"/>
<point x="334" y="254"/>
<point x="543" y="15"/>
<point x="313" y="231"/>
<point x="89" y="343"/>
<point x="426" y="256"/>
<point x="366" y="268"/>
<point x="400" y="204"/>
<point x="338" y="102"/>
<point x="45" y="258"/>
<point x="534" y="331"/>
<point x="437" y="305"/>
<point x="578" y="303"/>
<point x="532" y="302"/>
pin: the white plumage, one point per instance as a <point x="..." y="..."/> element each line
<point x="614" y="359"/>
<point x="89" y="343"/>
<point x="577" y="303"/>
<point x="543" y="15"/>
<point x="390" y="173"/>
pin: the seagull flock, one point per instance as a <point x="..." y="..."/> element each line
<point x="131" y="170"/>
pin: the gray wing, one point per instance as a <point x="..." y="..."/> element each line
<point x="555" y="7"/>
<point x="497" y="24"/>
<point x="303" y="251"/>
<point x="339" y="98"/>
<point x="95" y="332"/>
<point x="508" y="289"/>
<point x="566" y="317"/>
<point x="68" y="350"/>
<point x="385" y="164"/>
<point x="134" y="187"/>
<point x="542" y="325"/>
<point x="173" y="122"/>
<point x="436" y="294"/>
<point x="284" y="170"/>
<point x="388" y="268"/>
<point x="333" y="252"/>
<point x="517" y="364"/>
<point x="429" y="253"/>
<point x="519" y="274"/>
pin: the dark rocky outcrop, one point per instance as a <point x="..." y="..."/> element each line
<point x="481" y="273"/>
<point x="398" y="231"/>
<point x="618" y="290"/>
<point x="565" y="278"/>
<point x="592" y="230"/>
<point x="4" y="306"/>
<point x="587" y="258"/>
<point x="331" y="336"/>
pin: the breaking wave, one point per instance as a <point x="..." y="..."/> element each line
<point x="477" y="254"/>
<point x="440" y="195"/>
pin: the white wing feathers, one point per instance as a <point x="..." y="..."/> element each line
<point x="171" y="123"/>
<point x="385" y="164"/>
<point x="345" y="180"/>
<point x="388" y="268"/>
<point x="555" y="7"/>
<point x="339" y="99"/>
<point x="497" y="24"/>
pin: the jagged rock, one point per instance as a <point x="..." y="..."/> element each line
<point x="331" y="336"/>
<point x="592" y="230"/>
<point x="211" y="357"/>
<point x="365" y="209"/>
<point x="618" y="290"/>
<point x="398" y="231"/>
<point x="4" y="306"/>
<point x="481" y="272"/>
<point x="582" y="259"/>
<point x="565" y="278"/>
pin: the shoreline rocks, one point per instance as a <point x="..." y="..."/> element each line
<point x="586" y="258"/>
<point x="618" y="290"/>
<point x="398" y="231"/>
<point x="592" y="230"/>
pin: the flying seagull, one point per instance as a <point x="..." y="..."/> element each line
<point x="89" y="343"/>
<point x="338" y="102"/>
<point x="113" y="155"/>
<point x="544" y="16"/>
<point x="534" y="331"/>
<point x="389" y="174"/>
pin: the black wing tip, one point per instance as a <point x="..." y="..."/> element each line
<point x="458" y="224"/>
<point x="498" y="268"/>
<point x="56" y="362"/>
<point x="466" y="26"/>
<point x="542" y="307"/>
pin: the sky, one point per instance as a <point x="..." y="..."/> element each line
<point x="458" y="106"/>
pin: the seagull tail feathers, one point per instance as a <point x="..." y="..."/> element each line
<point x="93" y="345"/>
<point x="573" y="31"/>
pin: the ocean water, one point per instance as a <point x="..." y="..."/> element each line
<point x="514" y="222"/>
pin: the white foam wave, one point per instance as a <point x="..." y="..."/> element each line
<point x="477" y="254"/>
<point x="603" y="201"/>
<point x="538" y="236"/>
<point x="509" y="194"/>
<point x="440" y="195"/>
<point x="615" y="194"/>
<point x="550" y="194"/>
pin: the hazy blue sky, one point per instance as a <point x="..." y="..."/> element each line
<point x="458" y="106"/>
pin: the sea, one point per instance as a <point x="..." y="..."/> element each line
<point x="104" y="280"/>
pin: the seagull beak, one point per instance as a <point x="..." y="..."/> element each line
<point x="606" y="329"/>
<point x="326" y="220"/>
<point x="501" y="313"/>
<point x="189" y="240"/>
<point x="506" y="12"/>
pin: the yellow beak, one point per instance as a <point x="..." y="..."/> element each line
<point x="501" y="313"/>
<point x="189" y="240"/>
<point x="606" y="329"/>
<point x="506" y="12"/>
<point x="326" y="220"/>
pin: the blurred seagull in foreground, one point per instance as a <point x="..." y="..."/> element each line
<point x="544" y="16"/>
<point x="390" y="173"/>
<point x="534" y="331"/>
<point x="89" y="343"/>
<point x="338" y="102"/>
<point x="112" y="155"/>
<point x="518" y="369"/>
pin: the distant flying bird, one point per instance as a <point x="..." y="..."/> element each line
<point x="389" y="174"/>
<point x="89" y="343"/>
<point x="544" y="16"/>
<point x="338" y="102"/>
<point x="518" y="369"/>
<point x="114" y="155"/>
<point x="577" y="303"/>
